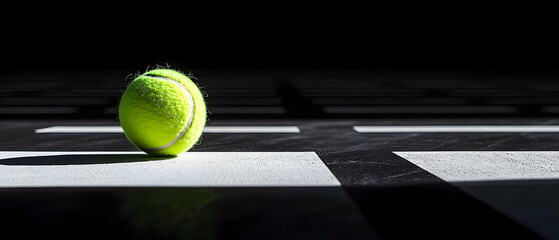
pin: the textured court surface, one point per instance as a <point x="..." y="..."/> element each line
<point x="325" y="181"/>
<point x="288" y="154"/>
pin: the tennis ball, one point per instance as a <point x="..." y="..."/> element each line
<point x="162" y="112"/>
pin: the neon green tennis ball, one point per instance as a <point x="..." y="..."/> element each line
<point x="162" y="112"/>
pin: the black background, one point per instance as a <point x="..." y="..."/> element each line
<point x="368" y="60"/>
<point x="334" y="36"/>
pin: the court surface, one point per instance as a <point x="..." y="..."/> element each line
<point x="325" y="180"/>
<point x="421" y="157"/>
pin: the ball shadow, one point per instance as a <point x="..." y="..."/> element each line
<point x="77" y="159"/>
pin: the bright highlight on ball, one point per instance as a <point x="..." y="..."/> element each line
<point x="162" y="112"/>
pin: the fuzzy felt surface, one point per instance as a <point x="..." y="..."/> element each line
<point x="153" y="112"/>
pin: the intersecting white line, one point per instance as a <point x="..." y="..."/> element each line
<point x="456" y="128"/>
<point x="520" y="184"/>
<point x="191" y="169"/>
<point x="465" y="166"/>
<point x="207" y="129"/>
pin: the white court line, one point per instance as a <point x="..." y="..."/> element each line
<point x="456" y="129"/>
<point x="207" y="129"/>
<point x="80" y="129"/>
<point x="521" y="184"/>
<point x="251" y="129"/>
<point x="191" y="169"/>
<point x="487" y="165"/>
<point x="419" y="109"/>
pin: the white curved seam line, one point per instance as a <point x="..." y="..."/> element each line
<point x="190" y="118"/>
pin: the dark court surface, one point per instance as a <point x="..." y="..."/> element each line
<point x="383" y="196"/>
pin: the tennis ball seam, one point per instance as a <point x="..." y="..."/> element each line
<point x="190" y="119"/>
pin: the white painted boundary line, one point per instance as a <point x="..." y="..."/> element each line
<point x="456" y="129"/>
<point x="207" y="129"/>
<point x="487" y="166"/>
<point x="80" y="129"/>
<point x="251" y="129"/>
<point x="530" y="197"/>
<point x="191" y="169"/>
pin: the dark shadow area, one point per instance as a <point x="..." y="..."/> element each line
<point x="182" y="213"/>
<point x="426" y="211"/>
<point x="534" y="203"/>
<point x="293" y="102"/>
<point x="76" y="159"/>
<point x="434" y="211"/>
